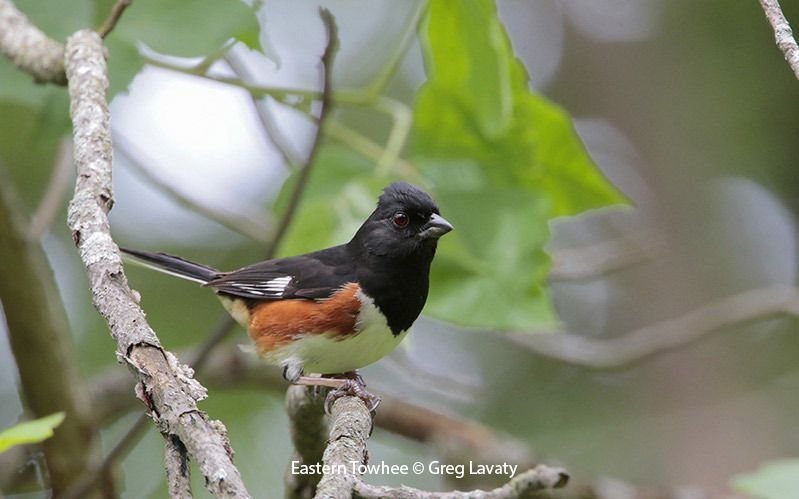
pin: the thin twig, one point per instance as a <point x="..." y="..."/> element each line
<point x="663" y="336"/>
<point x="370" y="149"/>
<point x="116" y="12"/>
<point x="89" y="480"/>
<point x="271" y="130"/>
<point x="167" y="387"/>
<point x="327" y="92"/>
<point x="387" y="72"/>
<point x="55" y="193"/>
<point x="782" y="33"/>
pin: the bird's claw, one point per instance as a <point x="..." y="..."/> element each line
<point x="352" y="388"/>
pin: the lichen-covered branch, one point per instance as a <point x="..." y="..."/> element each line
<point x="537" y="482"/>
<point x="350" y="426"/>
<point x="31" y="50"/>
<point x="176" y="462"/>
<point x="166" y="386"/>
<point x="782" y="33"/>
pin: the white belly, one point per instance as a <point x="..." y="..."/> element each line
<point x="324" y="354"/>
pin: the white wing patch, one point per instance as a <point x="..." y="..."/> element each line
<point x="273" y="288"/>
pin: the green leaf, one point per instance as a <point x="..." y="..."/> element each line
<point x="538" y="148"/>
<point x="505" y="161"/>
<point x="30" y="432"/>
<point x="490" y="270"/>
<point x="773" y="480"/>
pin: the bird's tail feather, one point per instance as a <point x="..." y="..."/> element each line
<point x="172" y="265"/>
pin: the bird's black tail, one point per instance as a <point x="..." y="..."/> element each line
<point x="173" y="265"/>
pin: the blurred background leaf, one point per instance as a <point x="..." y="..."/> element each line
<point x="30" y="432"/>
<point x="481" y="134"/>
<point x="773" y="480"/>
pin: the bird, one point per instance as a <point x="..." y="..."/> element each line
<point x="323" y="315"/>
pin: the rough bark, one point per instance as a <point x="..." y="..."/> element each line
<point x="167" y="387"/>
<point x="31" y="50"/>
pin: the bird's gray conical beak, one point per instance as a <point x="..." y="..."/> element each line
<point x="436" y="227"/>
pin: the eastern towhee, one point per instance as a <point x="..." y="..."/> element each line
<point x="336" y="310"/>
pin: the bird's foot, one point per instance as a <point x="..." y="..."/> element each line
<point x="349" y="384"/>
<point x="352" y="386"/>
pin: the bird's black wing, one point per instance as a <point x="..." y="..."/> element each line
<point x="313" y="276"/>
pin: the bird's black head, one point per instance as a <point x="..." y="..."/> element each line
<point x="394" y="249"/>
<point x="405" y="225"/>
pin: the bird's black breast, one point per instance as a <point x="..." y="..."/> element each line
<point x="399" y="292"/>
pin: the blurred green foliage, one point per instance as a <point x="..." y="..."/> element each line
<point x="505" y="160"/>
<point x="30" y="432"/>
<point x="502" y="161"/>
<point x="709" y="95"/>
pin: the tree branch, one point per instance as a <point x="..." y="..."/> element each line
<point x="782" y="33"/>
<point x="595" y="260"/>
<point x="166" y="386"/>
<point x="537" y="482"/>
<point x="350" y="426"/>
<point x="28" y="48"/>
<point x="116" y="12"/>
<point x="178" y="472"/>
<point x="327" y="93"/>
<point x="662" y="336"/>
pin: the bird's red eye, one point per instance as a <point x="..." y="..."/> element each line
<point x="400" y="219"/>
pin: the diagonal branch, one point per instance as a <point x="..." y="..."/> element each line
<point x="166" y="386"/>
<point x="116" y="12"/>
<point x="782" y="33"/>
<point x="662" y="336"/>
<point x="327" y="94"/>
